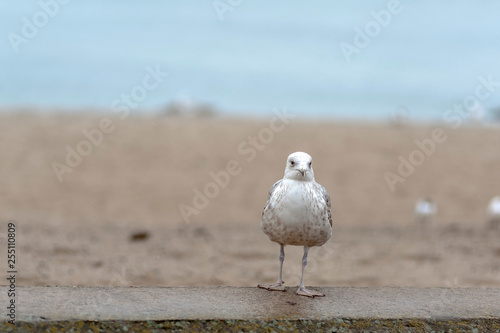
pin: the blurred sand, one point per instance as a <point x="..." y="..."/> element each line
<point x="78" y="231"/>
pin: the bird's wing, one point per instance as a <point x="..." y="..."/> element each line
<point x="271" y="191"/>
<point x="326" y="196"/>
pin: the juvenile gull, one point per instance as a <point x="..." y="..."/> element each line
<point x="297" y="212"/>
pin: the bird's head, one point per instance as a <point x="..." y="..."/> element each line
<point x="299" y="167"/>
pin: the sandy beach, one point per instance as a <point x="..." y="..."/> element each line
<point x="172" y="201"/>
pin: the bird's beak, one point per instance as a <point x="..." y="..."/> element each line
<point x="302" y="172"/>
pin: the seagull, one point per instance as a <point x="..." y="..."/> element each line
<point x="425" y="210"/>
<point x="494" y="212"/>
<point x="297" y="212"/>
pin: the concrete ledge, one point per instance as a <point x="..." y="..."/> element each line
<point x="246" y="309"/>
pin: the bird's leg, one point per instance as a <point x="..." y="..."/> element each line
<point x="302" y="289"/>
<point x="279" y="284"/>
<point x="282" y="259"/>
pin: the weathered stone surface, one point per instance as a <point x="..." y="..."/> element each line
<point x="235" y="308"/>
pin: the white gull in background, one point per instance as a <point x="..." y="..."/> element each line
<point x="297" y="212"/>
<point x="425" y="210"/>
<point x="494" y="212"/>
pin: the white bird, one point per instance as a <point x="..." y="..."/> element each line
<point x="425" y="210"/>
<point x="494" y="212"/>
<point x="297" y="212"/>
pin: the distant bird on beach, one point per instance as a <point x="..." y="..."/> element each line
<point x="425" y="211"/>
<point x="297" y="212"/>
<point x="494" y="212"/>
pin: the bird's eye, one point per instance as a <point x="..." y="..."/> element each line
<point x="292" y="163"/>
<point x="310" y="163"/>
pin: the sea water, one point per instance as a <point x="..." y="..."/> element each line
<point x="251" y="57"/>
